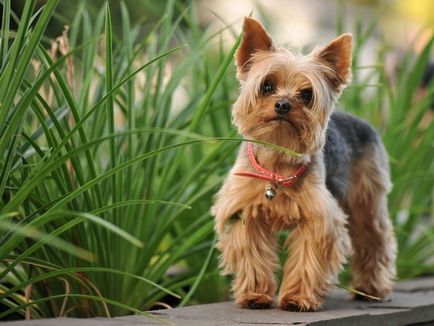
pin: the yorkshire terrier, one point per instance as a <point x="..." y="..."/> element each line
<point x="332" y="196"/>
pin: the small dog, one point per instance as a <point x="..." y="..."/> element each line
<point x="332" y="197"/>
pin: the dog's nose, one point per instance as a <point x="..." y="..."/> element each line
<point x="282" y="106"/>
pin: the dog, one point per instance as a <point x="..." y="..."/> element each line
<point x="331" y="195"/>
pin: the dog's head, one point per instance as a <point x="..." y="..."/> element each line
<point x="287" y="99"/>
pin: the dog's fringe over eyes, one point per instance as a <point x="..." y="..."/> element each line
<point x="336" y="201"/>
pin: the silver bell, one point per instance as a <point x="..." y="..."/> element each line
<point x="270" y="193"/>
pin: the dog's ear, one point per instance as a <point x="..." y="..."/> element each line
<point x="255" y="38"/>
<point x="337" y="56"/>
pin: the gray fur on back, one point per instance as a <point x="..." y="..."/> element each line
<point x="346" y="141"/>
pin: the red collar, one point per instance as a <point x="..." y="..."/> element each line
<point x="265" y="174"/>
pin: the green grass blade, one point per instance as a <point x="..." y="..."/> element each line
<point x="36" y="234"/>
<point x="110" y="99"/>
<point x="137" y="202"/>
<point x="4" y="33"/>
<point x="204" y="104"/>
<point x="65" y="271"/>
<point x="25" y="57"/>
<point x="7" y="71"/>
<point x="199" y="277"/>
<point x="81" y="296"/>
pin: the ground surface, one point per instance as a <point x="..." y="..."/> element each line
<point x="412" y="303"/>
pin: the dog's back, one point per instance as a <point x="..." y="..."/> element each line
<point x="347" y="140"/>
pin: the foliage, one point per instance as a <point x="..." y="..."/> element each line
<point x="102" y="193"/>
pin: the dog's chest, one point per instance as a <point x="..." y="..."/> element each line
<point x="281" y="211"/>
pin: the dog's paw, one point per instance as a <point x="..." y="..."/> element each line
<point x="255" y="301"/>
<point x="300" y="304"/>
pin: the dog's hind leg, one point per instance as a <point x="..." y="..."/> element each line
<point x="371" y="231"/>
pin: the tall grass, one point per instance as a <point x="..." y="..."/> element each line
<point x="107" y="170"/>
<point x="105" y="178"/>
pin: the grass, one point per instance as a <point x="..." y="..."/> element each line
<point x="112" y="146"/>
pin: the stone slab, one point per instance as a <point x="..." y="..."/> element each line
<point x="411" y="303"/>
<point x="418" y="285"/>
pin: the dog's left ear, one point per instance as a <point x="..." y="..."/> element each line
<point x="255" y="39"/>
<point x="337" y="56"/>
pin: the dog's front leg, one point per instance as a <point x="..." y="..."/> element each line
<point x="249" y="252"/>
<point x="317" y="248"/>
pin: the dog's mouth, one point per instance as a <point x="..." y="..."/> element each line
<point x="281" y="119"/>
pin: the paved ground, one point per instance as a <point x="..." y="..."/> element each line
<point x="412" y="303"/>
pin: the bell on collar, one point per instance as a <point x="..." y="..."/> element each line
<point x="270" y="193"/>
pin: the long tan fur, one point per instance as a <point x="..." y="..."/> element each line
<point x="319" y="242"/>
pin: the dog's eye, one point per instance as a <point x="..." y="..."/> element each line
<point x="267" y="87"/>
<point x="306" y="95"/>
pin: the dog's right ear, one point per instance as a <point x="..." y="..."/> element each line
<point x="255" y="38"/>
